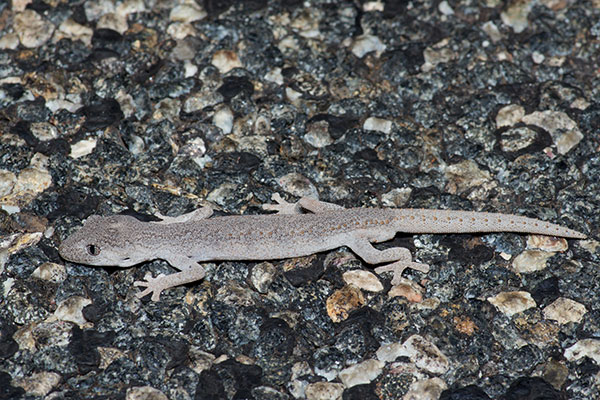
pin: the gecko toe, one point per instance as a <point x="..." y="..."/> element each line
<point x="143" y="293"/>
<point x="398" y="267"/>
<point x="155" y="292"/>
<point x="151" y="287"/>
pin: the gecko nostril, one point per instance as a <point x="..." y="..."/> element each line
<point x="93" y="250"/>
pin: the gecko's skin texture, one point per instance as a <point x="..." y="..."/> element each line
<point x="184" y="241"/>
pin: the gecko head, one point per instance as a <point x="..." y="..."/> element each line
<point x="105" y="241"/>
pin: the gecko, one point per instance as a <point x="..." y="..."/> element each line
<point x="297" y="229"/>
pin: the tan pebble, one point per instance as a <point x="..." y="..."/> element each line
<point x="342" y="301"/>
<point x="511" y="303"/>
<point x="407" y="289"/>
<point x="547" y="243"/>
<point x="363" y="279"/>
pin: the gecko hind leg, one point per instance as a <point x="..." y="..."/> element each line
<point x="282" y="206"/>
<point x="400" y="256"/>
<point x="305" y="203"/>
<point x="398" y="267"/>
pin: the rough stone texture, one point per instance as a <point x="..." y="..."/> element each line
<point x="511" y="303"/>
<point x="107" y="106"/>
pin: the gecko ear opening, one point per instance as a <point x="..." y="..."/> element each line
<point x="93" y="250"/>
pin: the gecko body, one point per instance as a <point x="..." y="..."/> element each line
<point x="186" y="240"/>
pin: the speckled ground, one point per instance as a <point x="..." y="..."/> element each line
<point x="163" y="106"/>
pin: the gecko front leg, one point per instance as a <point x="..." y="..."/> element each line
<point x="161" y="282"/>
<point x="198" y="214"/>
<point x="191" y="271"/>
<point x="400" y="255"/>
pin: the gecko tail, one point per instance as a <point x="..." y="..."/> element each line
<point x="450" y="221"/>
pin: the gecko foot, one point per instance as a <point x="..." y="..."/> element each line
<point x="398" y="267"/>
<point x="196" y="215"/>
<point x="152" y="285"/>
<point x="282" y="206"/>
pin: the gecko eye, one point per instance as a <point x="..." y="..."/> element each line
<point x="93" y="250"/>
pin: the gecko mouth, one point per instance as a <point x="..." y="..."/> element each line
<point x="128" y="261"/>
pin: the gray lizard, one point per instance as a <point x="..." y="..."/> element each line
<point x="185" y="241"/>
